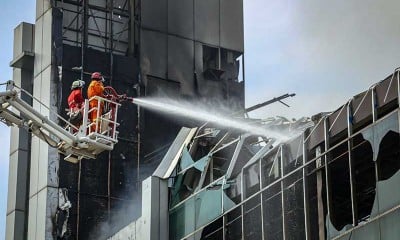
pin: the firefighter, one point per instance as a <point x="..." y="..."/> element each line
<point x="96" y="88"/>
<point x="75" y="103"/>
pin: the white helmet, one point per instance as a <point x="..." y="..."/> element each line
<point x="77" y="84"/>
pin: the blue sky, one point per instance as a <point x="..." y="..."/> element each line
<point x="13" y="12"/>
<point x="324" y="51"/>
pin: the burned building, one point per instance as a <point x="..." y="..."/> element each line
<point x="190" y="49"/>
<point x="337" y="177"/>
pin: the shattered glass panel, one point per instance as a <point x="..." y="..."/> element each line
<point x="186" y="159"/>
<point x="208" y="206"/>
<point x="294" y="206"/>
<point x="252" y="218"/>
<point x="252" y="179"/>
<point x="182" y="220"/>
<point x="270" y="168"/>
<point x="234" y="224"/>
<point x="272" y="212"/>
<point x="340" y="196"/>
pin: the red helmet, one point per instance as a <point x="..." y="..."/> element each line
<point x="97" y="76"/>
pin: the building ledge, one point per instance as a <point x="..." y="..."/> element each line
<point x="23" y="61"/>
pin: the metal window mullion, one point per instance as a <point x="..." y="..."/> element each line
<point x="241" y="206"/>
<point x="398" y="87"/>
<point x="374" y="118"/>
<point x="223" y="227"/>
<point x="305" y="192"/>
<point x="282" y="196"/>
<point x="351" y="169"/>
<point x="326" y="162"/>
<point x="261" y="200"/>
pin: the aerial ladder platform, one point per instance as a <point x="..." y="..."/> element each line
<point x="75" y="143"/>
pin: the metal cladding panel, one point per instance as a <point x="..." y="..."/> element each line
<point x="154" y="14"/>
<point x="317" y="135"/>
<point x="99" y="3"/>
<point x="235" y="93"/>
<point x="232" y="24"/>
<point x="207" y="21"/>
<point x="362" y="106"/>
<point x="153" y="53"/>
<point x="122" y="213"/>
<point x="338" y="121"/>
<point x="94" y="175"/>
<point x="368" y="232"/>
<point x="123" y="171"/>
<point x="389" y="226"/>
<point x="180" y="18"/>
<point x="97" y="61"/>
<point x="386" y="91"/>
<point x="38" y="47"/>
<point x="161" y="87"/>
<point x="12" y="182"/>
<point x="47" y="40"/>
<point x="32" y="217"/>
<point x="93" y="217"/>
<point x="180" y="63"/>
<point x="15" y="225"/>
<point x="21" y="184"/>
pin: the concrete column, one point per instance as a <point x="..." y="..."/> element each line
<point x="18" y="180"/>
<point x="43" y="189"/>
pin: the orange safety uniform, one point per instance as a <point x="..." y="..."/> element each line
<point x="96" y="88"/>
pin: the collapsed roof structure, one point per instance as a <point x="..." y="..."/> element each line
<point x="336" y="179"/>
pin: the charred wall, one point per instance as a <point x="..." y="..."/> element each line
<point x="168" y="48"/>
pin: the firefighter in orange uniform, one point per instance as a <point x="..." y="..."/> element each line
<point x="96" y="88"/>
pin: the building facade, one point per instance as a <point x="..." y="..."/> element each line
<point x="190" y="49"/>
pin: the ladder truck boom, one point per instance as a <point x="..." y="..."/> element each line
<point x="74" y="143"/>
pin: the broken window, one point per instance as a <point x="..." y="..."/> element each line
<point x="389" y="155"/>
<point x="339" y="184"/>
<point x="364" y="177"/>
<point x="211" y="63"/>
<point x="234" y="224"/>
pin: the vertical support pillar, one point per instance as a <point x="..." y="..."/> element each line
<point x="327" y="182"/>
<point x="282" y="195"/>
<point x="305" y="191"/>
<point x="351" y="167"/>
<point x="18" y="182"/>
<point x="261" y="199"/>
<point x="43" y="190"/>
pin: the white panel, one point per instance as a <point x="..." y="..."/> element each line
<point x="17" y="41"/>
<point x="14" y="139"/>
<point x="46" y="5"/>
<point x="45" y="91"/>
<point x="32" y="219"/>
<point x="12" y="182"/>
<point x="43" y="164"/>
<point x="34" y="166"/>
<point x="47" y="39"/>
<point x="37" y="91"/>
<point x="10" y="220"/>
<point x="38" y="46"/>
<point x="39" y="8"/>
<point x="41" y="215"/>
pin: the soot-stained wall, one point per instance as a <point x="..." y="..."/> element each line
<point x="191" y="50"/>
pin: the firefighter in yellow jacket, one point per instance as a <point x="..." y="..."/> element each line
<point x="96" y="88"/>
